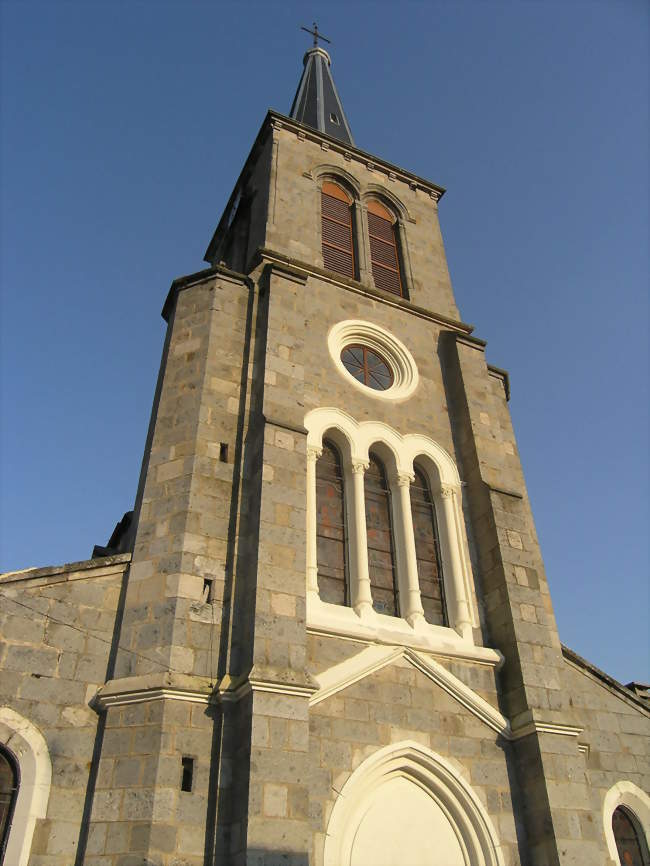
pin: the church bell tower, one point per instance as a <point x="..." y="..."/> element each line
<point x="337" y="631"/>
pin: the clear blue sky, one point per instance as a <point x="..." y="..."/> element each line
<point x="124" y="127"/>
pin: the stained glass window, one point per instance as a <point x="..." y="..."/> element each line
<point x="427" y="551"/>
<point x="8" y="792"/>
<point x="330" y="531"/>
<point x="381" y="557"/>
<point x="368" y="367"/>
<point x="626" y="836"/>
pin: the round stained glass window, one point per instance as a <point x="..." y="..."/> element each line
<point x="367" y="367"/>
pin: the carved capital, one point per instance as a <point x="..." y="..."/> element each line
<point x="313" y="452"/>
<point x="404" y="479"/>
<point x="359" y="466"/>
<point x="447" y="491"/>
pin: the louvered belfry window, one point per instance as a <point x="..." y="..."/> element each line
<point x="338" y="239"/>
<point x="427" y="551"/>
<point x="383" y="248"/>
<point x="381" y="556"/>
<point x="330" y="527"/>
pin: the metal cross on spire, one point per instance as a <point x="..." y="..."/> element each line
<point x="316" y="35"/>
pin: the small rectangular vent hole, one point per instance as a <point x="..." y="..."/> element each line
<point x="187" y="776"/>
<point x="223" y="452"/>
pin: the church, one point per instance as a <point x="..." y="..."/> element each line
<point x="324" y="634"/>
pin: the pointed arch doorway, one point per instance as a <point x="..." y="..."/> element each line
<point x="405" y="804"/>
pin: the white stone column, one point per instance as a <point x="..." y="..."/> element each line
<point x="360" y="583"/>
<point x="364" y="240"/>
<point x="460" y="617"/>
<point x="313" y="454"/>
<point x="360" y="242"/>
<point x="411" y="606"/>
<point x="405" y="258"/>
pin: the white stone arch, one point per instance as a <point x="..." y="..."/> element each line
<point x="470" y="834"/>
<point x="27" y="744"/>
<point x="388" y="198"/>
<point x="398" y="453"/>
<point x="636" y="801"/>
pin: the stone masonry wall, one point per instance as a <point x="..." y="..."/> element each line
<point x="294" y="215"/>
<point x="57" y="627"/>
<point x="395" y="704"/>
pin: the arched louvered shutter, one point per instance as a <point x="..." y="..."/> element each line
<point x="427" y="551"/>
<point x="383" y="248"/>
<point x="330" y="531"/>
<point x="381" y="557"/>
<point x="626" y="836"/>
<point x="338" y="239"/>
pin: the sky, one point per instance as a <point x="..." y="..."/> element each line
<point x="124" y="128"/>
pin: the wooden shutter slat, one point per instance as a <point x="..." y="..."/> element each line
<point x="337" y="238"/>
<point x="383" y="253"/>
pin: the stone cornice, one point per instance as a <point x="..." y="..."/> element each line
<point x="303" y="269"/>
<point x="276" y="121"/>
<point x="86" y="568"/>
<point x="603" y="679"/>
<point x="540" y="727"/>
<point x="185" y="282"/>
<point x="392" y="172"/>
<point x="503" y="376"/>
<point x="172" y="686"/>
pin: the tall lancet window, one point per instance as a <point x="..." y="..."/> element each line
<point x="427" y="551"/>
<point x="628" y="839"/>
<point x="330" y="527"/>
<point x="382" y="229"/>
<point x="381" y="556"/>
<point x="338" y="237"/>
<point x="8" y="792"/>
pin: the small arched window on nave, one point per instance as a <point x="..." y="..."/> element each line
<point x="381" y="554"/>
<point x="336" y="229"/>
<point x="629" y="842"/>
<point x="384" y="254"/>
<point x="427" y="551"/>
<point x="331" y="554"/>
<point x="8" y="794"/>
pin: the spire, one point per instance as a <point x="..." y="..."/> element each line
<point x="317" y="103"/>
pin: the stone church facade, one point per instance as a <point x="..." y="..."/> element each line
<point x="325" y="635"/>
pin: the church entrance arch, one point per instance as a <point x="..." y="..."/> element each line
<point x="405" y="804"/>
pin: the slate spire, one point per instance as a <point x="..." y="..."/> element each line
<point x="317" y="103"/>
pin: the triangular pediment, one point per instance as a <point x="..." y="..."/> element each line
<point x="374" y="658"/>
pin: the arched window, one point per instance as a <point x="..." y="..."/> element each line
<point x="427" y="551"/>
<point x="381" y="556"/>
<point x="382" y="230"/>
<point x="330" y="528"/>
<point x="629" y="841"/>
<point x="8" y="794"/>
<point x="338" y="237"/>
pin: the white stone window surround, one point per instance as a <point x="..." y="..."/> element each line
<point x="636" y="801"/>
<point x="355" y="441"/>
<point x="27" y="744"/>
<point x="477" y="842"/>
<point x="393" y="351"/>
